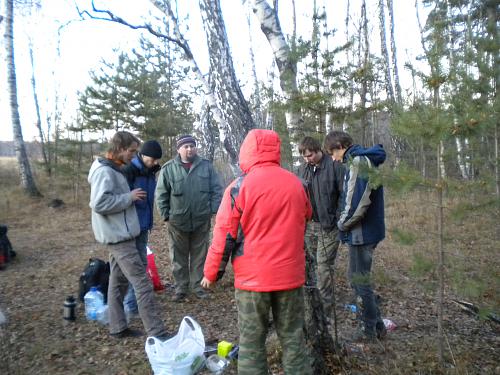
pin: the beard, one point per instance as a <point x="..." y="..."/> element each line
<point x="190" y="158"/>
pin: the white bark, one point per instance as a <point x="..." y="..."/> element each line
<point x="385" y="52"/>
<point x="223" y="125"/>
<point x="228" y="95"/>
<point x="27" y="181"/>
<point x="395" y="70"/>
<point x="287" y="68"/>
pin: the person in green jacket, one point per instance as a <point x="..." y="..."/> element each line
<point x="188" y="193"/>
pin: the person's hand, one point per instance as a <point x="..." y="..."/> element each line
<point x="205" y="283"/>
<point x="138" y="194"/>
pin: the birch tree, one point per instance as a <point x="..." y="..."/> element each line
<point x="228" y="135"/>
<point x="229" y="98"/>
<point x="27" y="180"/>
<point x="287" y="67"/>
<point x="385" y="52"/>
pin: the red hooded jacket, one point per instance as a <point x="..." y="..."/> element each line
<point x="261" y="221"/>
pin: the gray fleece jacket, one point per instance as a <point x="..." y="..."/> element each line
<point x="114" y="218"/>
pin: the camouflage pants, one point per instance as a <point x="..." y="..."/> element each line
<point x="188" y="251"/>
<point x="287" y="307"/>
<point x="323" y="246"/>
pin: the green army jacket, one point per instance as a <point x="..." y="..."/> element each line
<point x="188" y="199"/>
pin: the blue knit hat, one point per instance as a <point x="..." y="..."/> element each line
<point x="183" y="139"/>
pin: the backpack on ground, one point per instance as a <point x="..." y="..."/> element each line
<point x="6" y="250"/>
<point x="95" y="273"/>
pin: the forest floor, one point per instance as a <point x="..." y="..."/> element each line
<point x="54" y="244"/>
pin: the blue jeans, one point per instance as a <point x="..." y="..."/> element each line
<point x="360" y="264"/>
<point x="141" y="242"/>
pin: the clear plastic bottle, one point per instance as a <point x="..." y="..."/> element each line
<point x="102" y="315"/>
<point x="94" y="300"/>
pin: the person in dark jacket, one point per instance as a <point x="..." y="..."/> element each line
<point x="361" y="221"/>
<point x="141" y="173"/>
<point x="187" y="195"/>
<point x="323" y="178"/>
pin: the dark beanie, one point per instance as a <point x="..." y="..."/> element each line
<point x="151" y="149"/>
<point x="183" y="139"/>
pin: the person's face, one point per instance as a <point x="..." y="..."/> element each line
<point x="187" y="152"/>
<point x="127" y="154"/>
<point x="149" y="162"/>
<point x="312" y="157"/>
<point x="337" y="154"/>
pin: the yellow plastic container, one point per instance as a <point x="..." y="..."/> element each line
<point x="223" y="348"/>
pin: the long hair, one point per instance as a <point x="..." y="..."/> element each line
<point x="121" y="141"/>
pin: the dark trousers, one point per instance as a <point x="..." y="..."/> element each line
<point x="360" y="265"/>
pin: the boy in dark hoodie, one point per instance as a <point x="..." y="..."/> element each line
<point x="361" y="224"/>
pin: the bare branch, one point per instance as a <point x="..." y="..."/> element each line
<point x="111" y="17"/>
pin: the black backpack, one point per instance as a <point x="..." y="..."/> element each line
<point x="95" y="273"/>
<point x="6" y="251"/>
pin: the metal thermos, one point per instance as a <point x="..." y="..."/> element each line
<point x="69" y="312"/>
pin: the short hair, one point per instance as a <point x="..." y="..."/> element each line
<point x="309" y="143"/>
<point x="121" y="141"/>
<point x="336" y="139"/>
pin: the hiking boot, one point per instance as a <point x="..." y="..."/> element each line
<point x="201" y="294"/>
<point x="381" y="330"/>
<point x="362" y="335"/>
<point x="179" y="297"/>
<point x="127" y="332"/>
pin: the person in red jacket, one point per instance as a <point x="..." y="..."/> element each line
<point x="261" y="224"/>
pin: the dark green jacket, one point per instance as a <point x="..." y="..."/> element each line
<point x="187" y="200"/>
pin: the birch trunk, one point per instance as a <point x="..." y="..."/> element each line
<point x="27" y="180"/>
<point x="43" y="143"/>
<point x="258" y="110"/>
<point x="229" y="97"/>
<point x="228" y="137"/>
<point x="395" y="70"/>
<point x="385" y="52"/>
<point x="364" y="74"/>
<point x="287" y="67"/>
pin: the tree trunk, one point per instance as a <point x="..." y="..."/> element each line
<point x="364" y="73"/>
<point x="385" y="52"/>
<point x="38" y="117"/>
<point x="395" y="70"/>
<point x="440" y="296"/>
<point x="229" y="97"/>
<point x="287" y="67"/>
<point x="27" y="180"/>
<point x="258" y="110"/>
<point x="316" y="330"/>
<point x="228" y="136"/>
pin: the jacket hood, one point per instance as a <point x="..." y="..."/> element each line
<point x="259" y="146"/>
<point x="101" y="162"/>
<point x="376" y="153"/>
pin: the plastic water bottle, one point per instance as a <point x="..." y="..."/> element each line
<point x="94" y="300"/>
<point x="102" y="315"/>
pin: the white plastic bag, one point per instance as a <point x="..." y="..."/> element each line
<point x="179" y="355"/>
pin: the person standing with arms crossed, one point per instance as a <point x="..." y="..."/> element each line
<point x="115" y="225"/>
<point x="188" y="193"/>
<point x="261" y="224"/>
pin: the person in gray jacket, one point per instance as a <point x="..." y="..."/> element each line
<point x="116" y="225"/>
<point x="188" y="193"/>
